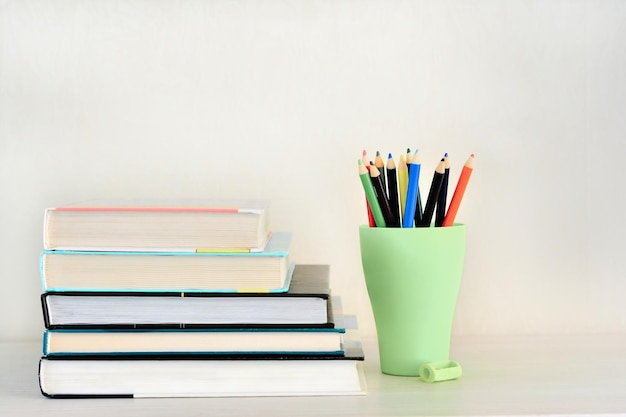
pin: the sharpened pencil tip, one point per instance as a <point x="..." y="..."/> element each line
<point x="472" y="155"/>
<point x="377" y="153"/>
<point x="445" y="155"/>
<point x="389" y="156"/>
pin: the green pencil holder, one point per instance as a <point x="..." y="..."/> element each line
<point x="413" y="277"/>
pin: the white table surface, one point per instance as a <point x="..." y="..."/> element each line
<point x="502" y="375"/>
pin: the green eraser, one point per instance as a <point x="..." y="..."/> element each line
<point x="440" y="371"/>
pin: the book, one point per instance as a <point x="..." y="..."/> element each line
<point x="162" y="225"/>
<point x="305" y="304"/>
<point x="268" y="270"/>
<point x="183" y="342"/>
<point x="102" y="342"/>
<point x="206" y="376"/>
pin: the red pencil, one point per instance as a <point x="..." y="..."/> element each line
<point x="466" y="172"/>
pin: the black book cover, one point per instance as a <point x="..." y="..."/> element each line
<point x="307" y="281"/>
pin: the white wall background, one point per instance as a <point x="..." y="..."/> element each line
<point x="277" y="99"/>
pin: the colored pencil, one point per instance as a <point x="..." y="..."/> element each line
<point x="370" y="216"/>
<point x="383" y="202"/>
<point x="461" y="185"/>
<point x="418" y="208"/>
<point x="365" y="159"/>
<point x="392" y="186"/>
<point x="419" y="212"/>
<point x="411" y="192"/>
<point x="403" y="182"/>
<point x="433" y="194"/>
<point x="408" y="157"/>
<point x="370" y="194"/>
<point x="440" y="212"/>
<point x="380" y="164"/>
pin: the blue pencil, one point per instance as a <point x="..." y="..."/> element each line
<point x="411" y="192"/>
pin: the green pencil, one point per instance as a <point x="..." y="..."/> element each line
<point x="370" y="194"/>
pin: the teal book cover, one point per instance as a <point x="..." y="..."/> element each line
<point x="216" y="341"/>
<point x="269" y="270"/>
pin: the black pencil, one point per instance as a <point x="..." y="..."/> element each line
<point x="392" y="185"/>
<point x="383" y="202"/>
<point x="380" y="164"/>
<point x="418" y="208"/>
<point x="433" y="194"/>
<point x="440" y="213"/>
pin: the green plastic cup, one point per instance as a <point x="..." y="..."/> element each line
<point x="413" y="278"/>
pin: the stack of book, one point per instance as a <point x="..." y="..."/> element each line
<point x="186" y="299"/>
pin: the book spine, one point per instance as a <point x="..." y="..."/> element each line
<point x="44" y="309"/>
<point x="45" y="348"/>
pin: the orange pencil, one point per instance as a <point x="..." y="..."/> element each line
<point x="466" y="172"/>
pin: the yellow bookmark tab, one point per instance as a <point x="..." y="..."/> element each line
<point x="252" y="290"/>
<point x="222" y="250"/>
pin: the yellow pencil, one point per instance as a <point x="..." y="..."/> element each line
<point x="403" y="182"/>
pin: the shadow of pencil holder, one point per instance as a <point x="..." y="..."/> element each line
<point x="413" y="278"/>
